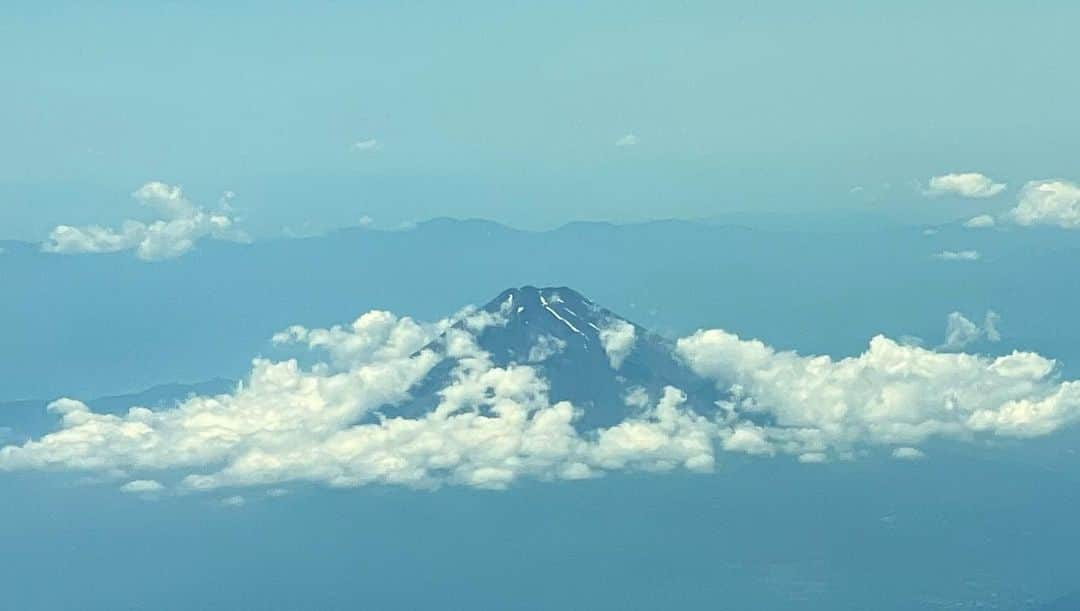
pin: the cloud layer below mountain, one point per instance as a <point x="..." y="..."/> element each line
<point x="334" y="421"/>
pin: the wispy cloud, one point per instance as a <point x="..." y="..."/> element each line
<point x="142" y="486"/>
<point x="981" y="221"/>
<point x="960" y="332"/>
<point x="958" y="255"/>
<point x="361" y="146"/>
<point x="627" y="140"/>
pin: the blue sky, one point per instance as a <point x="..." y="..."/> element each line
<point x="512" y="111"/>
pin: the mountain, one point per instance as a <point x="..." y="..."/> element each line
<point x="598" y="360"/>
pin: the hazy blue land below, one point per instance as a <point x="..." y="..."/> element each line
<point x="981" y="526"/>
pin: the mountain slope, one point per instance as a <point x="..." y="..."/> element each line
<point x="604" y="364"/>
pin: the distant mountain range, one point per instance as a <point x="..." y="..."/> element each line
<point x="93" y="325"/>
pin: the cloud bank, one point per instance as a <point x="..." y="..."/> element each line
<point x="334" y="422"/>
<point x="180" y="225"/>
<point x="891" y="394"/>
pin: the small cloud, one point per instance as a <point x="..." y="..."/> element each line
<point x="364" y="145"/>
<point x="1048" y="202"/>
<point x="180" y="225"/>
<point x="546" y="346"/>
<point x="142" y="486"/>
<point x="958" y="255"/>
<point x="277" y="492"/>
<point x="812" y="458"/>
<point x="617" y="338"/>
<point x="225" y="201"/>
<point x="965" y="184"/>
<point x="365" y="221"/>
<point x="908" y="454"/>
<point x="929" y="231"/>
<point x="982" y="221"/>
<point x="233" y="501"/>
<point x="627" y="140"/>
<point x="959" y="331"/>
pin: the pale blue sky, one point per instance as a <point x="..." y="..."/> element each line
<point x="511" y="111"/>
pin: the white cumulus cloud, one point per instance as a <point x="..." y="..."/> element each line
<point x="180" y="226"/>
<point x="1048" y="202"/>
<point x="336" y="421"/>
<point x="617" y="337"/>
<point x="890" y="394"/>
<point x="627" y="140"/>
<point x="964" y="184"/>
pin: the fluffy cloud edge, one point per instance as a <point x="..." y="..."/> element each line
<point x="334" y="423"/>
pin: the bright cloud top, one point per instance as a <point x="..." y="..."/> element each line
<point x="180" y="226"/>
<point x="966" y="184"/>
<point x="334" y="422"/>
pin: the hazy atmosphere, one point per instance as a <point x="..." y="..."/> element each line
<point x="598" y="305"/>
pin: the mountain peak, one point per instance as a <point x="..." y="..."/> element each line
<point x="607" y="366"/>
<point x="588" y="354"/>
<point x="559" y="311"/>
